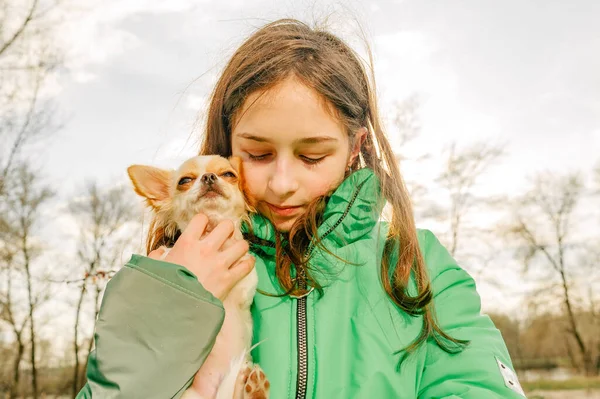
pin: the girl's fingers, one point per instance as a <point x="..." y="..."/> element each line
<point x="196" y="228"/>
<point x="242" y="269"/>
<point x="219" y="235"/>
<point x="233" y="253"/>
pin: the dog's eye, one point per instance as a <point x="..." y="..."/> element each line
<point x="228" y="174"/>
<point x="184" y="180"/>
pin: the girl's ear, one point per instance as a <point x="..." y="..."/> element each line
<point x="151" y="183"/>
<point x="250" y="202"/>
<point x="358" y="140"/>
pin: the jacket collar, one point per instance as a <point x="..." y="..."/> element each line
<point x="351" y="212"/>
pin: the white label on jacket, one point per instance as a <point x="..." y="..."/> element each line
<point x="510" y="378"/>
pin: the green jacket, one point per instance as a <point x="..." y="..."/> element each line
<point x="157" y="324"/>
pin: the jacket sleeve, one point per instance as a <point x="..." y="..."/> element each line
<point x="483" y="369"/>
<point x="155" y="328"/>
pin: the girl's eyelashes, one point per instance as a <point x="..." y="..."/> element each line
<point x="305" y="159"/>
<point x="261" y="157"/>
<point x="312" y="161"/>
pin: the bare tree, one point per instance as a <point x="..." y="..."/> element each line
<point x="407" y="134"/>
<point x="407" y="124"/>
<point x="28" y="55"/>
<point x="24" y="34"/>
<point x="9" y="316"/>
<point x="543" y="232"/>
<point x="462" y="171"/>
<point x="104" y="216"/>
<point x="22" y="210"/>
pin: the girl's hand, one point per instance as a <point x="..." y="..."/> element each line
<point x="215" y="268"/>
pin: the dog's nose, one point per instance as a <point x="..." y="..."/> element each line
<point x="209" y="178"/>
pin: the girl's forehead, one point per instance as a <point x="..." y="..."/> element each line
<point x="288" y="110"/>
<point x="288" y="91"/>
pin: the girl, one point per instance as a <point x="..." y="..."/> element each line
<point x="349" y="306"/>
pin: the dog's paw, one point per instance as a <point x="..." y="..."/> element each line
<point x="257" y="385"/>
<point x="240" y="382"/>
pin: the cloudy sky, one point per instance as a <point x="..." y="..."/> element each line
<point x="524" y="73"/>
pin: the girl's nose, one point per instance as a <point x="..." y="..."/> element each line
<point x="283" y="182"/>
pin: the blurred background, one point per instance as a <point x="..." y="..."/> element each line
<point x="493" y="109"/>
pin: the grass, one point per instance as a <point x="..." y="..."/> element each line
<point x="573" y="383"/>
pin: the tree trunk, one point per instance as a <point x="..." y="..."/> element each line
<point x="14" y="388"/>
<point x="454" y="227"/>
<point x="588" y="364"/>
<point x="34" y="385"/>
<point x="574" y="362"/>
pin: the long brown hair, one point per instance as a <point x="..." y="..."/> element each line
<point x="325" y="63"/>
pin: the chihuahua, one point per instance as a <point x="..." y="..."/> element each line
<point x="214" y="186"/>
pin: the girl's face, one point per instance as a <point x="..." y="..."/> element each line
<point x="293" y="150"/>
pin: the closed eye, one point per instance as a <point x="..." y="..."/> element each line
<point x="261" y="157"/>
<point x="312" y="161"/>
<point x="308" y="160"/>
<point x="228" y="174"/>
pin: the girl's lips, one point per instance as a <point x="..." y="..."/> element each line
<point x="283" y="211"/>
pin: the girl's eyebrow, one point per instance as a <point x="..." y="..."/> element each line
<point x="305" y="140"/>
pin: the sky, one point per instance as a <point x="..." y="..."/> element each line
<point x="138" y="73"/>
<point x="523" y="73"/>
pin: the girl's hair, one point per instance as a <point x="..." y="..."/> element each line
<point x="326" y="64"/>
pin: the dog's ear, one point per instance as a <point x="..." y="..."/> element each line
<point x="236" y="162"/>
<point x="151" y="183"/>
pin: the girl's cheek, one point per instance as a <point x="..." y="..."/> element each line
<point x="254" y="181"/>
<point x="321" y="187"/>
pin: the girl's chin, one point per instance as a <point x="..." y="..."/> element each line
<point x="283" y="226"/>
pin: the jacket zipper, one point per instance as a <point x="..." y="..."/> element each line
<point x="302" y="377"/>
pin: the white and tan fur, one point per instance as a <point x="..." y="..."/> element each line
<point x="211" y="185"/>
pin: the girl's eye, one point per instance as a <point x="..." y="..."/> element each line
<point x="261" y="157"/>
<point x="185" y="180"/>
<point x="311" y="161"/>
<point x="308" y="160"/>
<point x="228" y="174"/>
